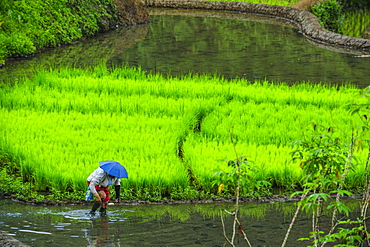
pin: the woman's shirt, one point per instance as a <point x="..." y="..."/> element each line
<point x="101" y="178"/>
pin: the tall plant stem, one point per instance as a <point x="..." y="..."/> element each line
<point x="366" y="197"/>
<point x="315" y="223"/>
<point x="340" y="186"/>
<point x="224" y="230"/>
<point x="293" y="221"/>
<point x="235" y="213"/>
<point x="242" y="231"/>
<point x="237" y="188"/>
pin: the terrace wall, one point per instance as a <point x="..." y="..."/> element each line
<point x="9" y="241"/>
<point x="308" y="23"/>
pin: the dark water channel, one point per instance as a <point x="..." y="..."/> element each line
<point x="150" y="225"/>
<point x="231" y="45"/>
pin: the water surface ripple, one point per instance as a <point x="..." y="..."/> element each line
<point x="236" y="45"/>
<point x="151" y="225"/>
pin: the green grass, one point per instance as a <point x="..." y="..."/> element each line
<point x="28" y="26"/>
<point x="286" y="3"/>
<point x="354" y="23"/>
<point x="170" y="133"/>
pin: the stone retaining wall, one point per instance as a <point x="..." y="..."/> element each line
<point x="9" y="241"/>
<point x="307" y="23"/>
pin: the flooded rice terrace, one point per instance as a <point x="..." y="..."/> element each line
<point x="236" y="45"/>
<point x="209" y="42"/>
<point x="151" y="225"/>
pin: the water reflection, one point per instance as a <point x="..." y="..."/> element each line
<point x="231" y="45"/>
<point x="153" y="225"/>
<point x="99" y="233"/>
<point x="83" y="53"/>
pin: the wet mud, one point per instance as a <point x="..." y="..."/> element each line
<point x="216" y="200"/>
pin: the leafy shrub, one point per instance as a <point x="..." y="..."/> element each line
<point x="354" y="4"/>
<point x="26" y="26"/>
<point x="18" y="43"/>
<point x="249" y="186"/>
<point x="329" y="13"/>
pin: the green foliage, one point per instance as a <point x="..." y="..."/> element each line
<point x="227" y="182"/>
<point x="10" y="184"/>
<point x="14" y="186"/>
<point x="70" y="119"/>
<point x="361" y="109"/>
<point x="270" y="2"/>
<point x="322" y="155"/>
<point x="57" y="195"/>
<point x="326" y="161"/>
<point x="354" y="4"/>
<point x="355" y="23"/>
<point x="345" y="237"/>
<point x="329" y="12"/>
<point x="27" y="26"/>
<point x="189" y="193"/>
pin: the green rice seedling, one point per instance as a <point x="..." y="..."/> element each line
<point x="215" y="155"/>
<point x="54" y="156"/>
<point x="250" y="184"/>
<point x="272" y="125"/>
<point x="76" y="123"/>
<point x="354" y="23"/>
<point x="167" y="132"/>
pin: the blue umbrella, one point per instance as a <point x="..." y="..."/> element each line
<point x="114" y="168"/>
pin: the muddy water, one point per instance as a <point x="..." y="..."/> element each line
<point x="150" y="225"/>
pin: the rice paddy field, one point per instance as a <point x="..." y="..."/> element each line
<point x="170" y="133"/>
<point x="355" y="23"/>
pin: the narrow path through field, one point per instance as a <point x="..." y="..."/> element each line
<point x="195" y="127"/>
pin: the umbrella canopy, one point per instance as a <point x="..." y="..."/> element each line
<point x="114" y="168"/>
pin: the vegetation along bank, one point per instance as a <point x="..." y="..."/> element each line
<point x="185" y="173"/>
<point x="179" y="138"/>
<point x="30" y="26"/>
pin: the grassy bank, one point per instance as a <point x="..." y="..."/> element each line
<point x="286" y="3"/>
<point x="355" y="23"/>
<point x="342" y="17"/>
<point x="172" y="134"/>
<point x="28" y="26"/>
